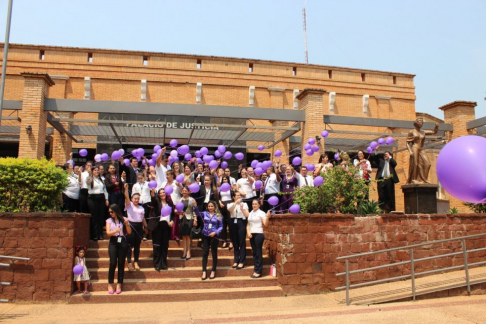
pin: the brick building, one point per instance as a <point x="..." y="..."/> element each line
<point x="95" y="77"/>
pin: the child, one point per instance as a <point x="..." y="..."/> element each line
<point x="84" y="277"/>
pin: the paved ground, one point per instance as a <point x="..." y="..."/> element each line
<point x="298" y="309"/>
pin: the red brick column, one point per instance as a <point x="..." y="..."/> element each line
<point x="311" y="101"/>
<point x="36" y="89"/>
<point x="277" y="101"/>
<point x="61" y="143"/>
<point x="49" y="240"/>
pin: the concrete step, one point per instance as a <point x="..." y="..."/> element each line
<point x="176" y="272"/>
<point x="147" y="252"/>
<point x="177" y="295"/>
<point x="148" y="244"/>
<point x="147" y="262"/>
<point x="149" y="284"/>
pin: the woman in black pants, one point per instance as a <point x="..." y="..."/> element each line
<point x="135" y="215"/>
<point x="212" y="226"/>
<point x="225" y="198"/>
<point x="256" y="221"/>
<point x="116" y="228"/>
<point x="160" y="226"/>
<point x="97" y="202"/>
<point x="239" y="213"/>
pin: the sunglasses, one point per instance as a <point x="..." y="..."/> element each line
<point x="111" y="212"/>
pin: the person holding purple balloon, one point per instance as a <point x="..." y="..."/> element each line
<point x="257" y="220"/>
<point x="131" y="171"/>
<point x="387" y="177"/>
<point x="271" y="187"/>
<point x="135" y="215"/>
<point x="186" y="219"/>
<point x="161" y="167"/>
<point x="160" y="225"/>
<point x="225" y="197"/>
<point x="97" y="202"/>
<point x="323" y="165"/>
<point x="245" y="187"/>
<point x="114" y="187"/>
<point x="289" y="183"/>
<point x="142" y="188"/>
<point x="239" y="213"/>
<point x="83" y="277"/>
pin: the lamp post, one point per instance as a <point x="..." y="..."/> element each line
<point x="5" y="55"/>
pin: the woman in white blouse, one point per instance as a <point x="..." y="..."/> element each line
<point x="97" y="202"/>
<point x="225" y="198"/>
<point x="136" y="218"/>
<point x="257" y="219"/>
<point x="70" y="195"/>
<point x="239" y="212"/>
<point x="245" y="187"/>
<point x="362" y="164"/>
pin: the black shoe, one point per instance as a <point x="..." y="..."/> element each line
<point x="254" y="277"/>
<point x="239" y="268"/>
<point x="189" y="258"/>
<point x="211" y="278"/>
<point x="183" y="257"/>
<point x="205" y="277"/>
<point x="157" y="269"/>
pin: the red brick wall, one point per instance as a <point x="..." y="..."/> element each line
<point x="49" y="240"/>
<point x="305" y="247"/>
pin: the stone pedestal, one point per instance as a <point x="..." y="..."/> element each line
<point x="420" y="198"/>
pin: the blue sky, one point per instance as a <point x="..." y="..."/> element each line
<point x="441" y="41"/>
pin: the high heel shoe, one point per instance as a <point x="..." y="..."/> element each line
<point x="205" y="276"/>
<point x="118" y="289"/>
<point x="135" y="264"/>
<point x="110" y="289"/>
<point x="213" y="275"/>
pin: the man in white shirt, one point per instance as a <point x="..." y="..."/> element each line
<point x="304" y="178"/>
<point x="161" y="168"/>
<point x="271" y="187"/>
<point x="83" y="192"/>
<point x="245" y="187"/>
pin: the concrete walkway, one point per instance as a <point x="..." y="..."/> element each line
<point x="298" y="309"/>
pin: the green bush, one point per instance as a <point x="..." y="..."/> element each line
<point x="342" y="191"/>
<point x="28" y="185"/>
<point x="477" y="208"/>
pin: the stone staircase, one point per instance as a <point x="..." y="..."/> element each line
<point x="181" y="282"/>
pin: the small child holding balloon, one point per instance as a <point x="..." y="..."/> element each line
<point x="81" y="274"/>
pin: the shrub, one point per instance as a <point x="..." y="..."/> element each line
<point x="369" y="207"/>
<point x="477" y="208"/>
<point x="28" y="185"/>
<point x="342" y="191"/>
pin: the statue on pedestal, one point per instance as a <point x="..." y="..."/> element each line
<point x="419" y="167"/>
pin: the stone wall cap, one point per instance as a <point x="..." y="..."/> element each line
<point x="44" y="76"/>
<point x="458" y="103"/>
<point x="307" y="91"/>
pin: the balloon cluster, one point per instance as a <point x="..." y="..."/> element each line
<point x="381" y="141"/>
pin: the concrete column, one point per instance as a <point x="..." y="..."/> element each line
<point x="36" y="89"/>
<point x="311" y="101"/>
<point x="61" y="143"/>
<point x="458" y="113"/>
<point x="277" y="101"/>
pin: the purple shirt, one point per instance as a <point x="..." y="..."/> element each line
<point x="135" y="214"/>
<point x="114" y="227"/>
<point x="211" y="222"/>
<point x="290" y="185"/>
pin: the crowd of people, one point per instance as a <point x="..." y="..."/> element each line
<point x="120" y="198"/>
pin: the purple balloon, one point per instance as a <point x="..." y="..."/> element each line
<point x="174" y="153"/>
<point x="134" y="152"/>
<point x="173" y="143"/>
<point x="198" y="154"/>
<point x="208" y="158"/>
<point x="217" y="154"/>
<point x="278" y="153"/>
<point x="168" y="189"/>
<point x="213" y="164"/>
<point x="122" y="152"/>
<point x="152" y="162"/>
<point x="188" y="156"/>
<point x="224" y="164"/>
<point x="239" y="156"/>
<point x="228" y="155"/>
<point x="318" y="181"/>
<point x="369" y="149"/>
<point x="310" y="167"/>
<point x="261" y="147"/>
<point x="152" y="184"/>
<point x="294" y="209"/>
<point x="183" y="150"/>
<point x="204" y="151"/>
<point x="199" y="160"/>
<point x="166" y="210"/>
<point x="258" y="184"/>
<point x="180" y="178"/>
<point x="373" y="145"/>
<point x="179" y="206"/>
<point x="115" y="155"/>
<point x="309" y="152"/>
<point x="222" y="149"/>
<point x="156" y="148"/>
<point x="141" y="151"/>
<point x="315" y="148"/>
<point x="105" y="157"/>
<point x="259" y="165"/>
<point x="155" y="156"/>
<point x="78" y="270"/>
<point x="307" y="147"/>
<point x="194" y="187"/>
<point x="267" y="164"/>
<point x="258" y="171"/>
<point x="273" y="200"/>
<point x="296" y="161"/>
<point x="126" y="162"/>
<point x="138" y="158"/>
<point x="143" y="162"/>
<point x="254" y="163"/>
<point x="337" y="157"/>
<point x="381" y="141"/>
<point x="311" y="141"/>
<point x="225" y="187"/>
<point x="389" y="140"/>
<point x="324" y="133"/>
<point x="465" y="183"/>
<point x="83" y="152"/>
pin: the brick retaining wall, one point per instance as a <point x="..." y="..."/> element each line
<point x="305" y="247"/>
<point x="49" y="240"/>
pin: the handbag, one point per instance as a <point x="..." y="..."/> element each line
<point x="196" y="233"/>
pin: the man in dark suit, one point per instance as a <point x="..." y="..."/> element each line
<point x="386" y="186"/>
<point x="132" y="171"/>
<point x="207" y="193"/>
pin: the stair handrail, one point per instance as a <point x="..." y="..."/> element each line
<point x="412" y="261"/>
<point x="7" y="265"/>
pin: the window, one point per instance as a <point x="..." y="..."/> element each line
<point x="250" y="68"/>
<point x="42" y="55"/>
<point x="145" y="60"/>
<point x="329" y="73"/>
<point x="294" y="71"/>
<point x="363" y="77"/>
<point x="90" y="57"/>
<point x="394" y="80"/>
<point x="198" y="64"/>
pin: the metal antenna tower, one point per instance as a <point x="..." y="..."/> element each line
<point x="305" y="33"/>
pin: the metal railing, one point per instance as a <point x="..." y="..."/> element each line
<point x="7" y="265"/>
<point x="412" y="262"/>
